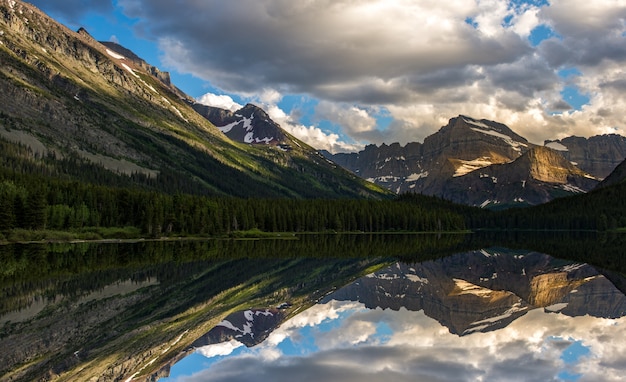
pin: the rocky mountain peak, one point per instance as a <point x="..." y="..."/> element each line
<point x="485" y="163"/>
<point x="250" y="124"/>
<point x="121" y="52"/>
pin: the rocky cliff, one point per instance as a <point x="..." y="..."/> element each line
<point x="475" y="162"/>
<point x="598" y="155"/>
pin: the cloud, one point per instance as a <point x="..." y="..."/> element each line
<point x="268" y="99"/>
<point x="322" y="48"/>
<point x="221" y="101"/>
<point x="463" y="57"/>
<point x="419" y="348"/>
<point x="220" y="349"/>
<point x="356" y="122"/>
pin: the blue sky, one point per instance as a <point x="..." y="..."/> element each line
<point x="343" y="74"/>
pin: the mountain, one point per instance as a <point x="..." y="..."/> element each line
<point x="616" y="177"/>
<point x="68" y="97"/>
<point x="474" y="162"/>
<point x="598" y="155"/>
<point x="486" y="290"/>
<point x="538" y="176"/>
<point x="249" y="327"/>
<point x="250" y="124"/>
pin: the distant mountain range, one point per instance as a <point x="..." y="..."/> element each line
<point x="65" y="95"/>
<point x="484" y="163"/>
<point x="486" y="290"/>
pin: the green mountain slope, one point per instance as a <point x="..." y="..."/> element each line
<point x="64" y="95"/>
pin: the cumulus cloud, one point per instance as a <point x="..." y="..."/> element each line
<point x="268" y="99"/>
<point x="221" y="101"/>
<point x="463" y="57"/>
<point x="419" y="348"/>
<point x="355" y="121"/>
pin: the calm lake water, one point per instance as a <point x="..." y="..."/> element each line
<point x="330" y="308"/>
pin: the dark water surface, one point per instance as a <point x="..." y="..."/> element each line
<point x="316" y="307"/>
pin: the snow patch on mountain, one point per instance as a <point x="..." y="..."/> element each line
<point x="469" y="288"/>
<point x="115" y="55"/>
<point x="486" y="129"/>
<point x="246" y="328"/>
<point x="468" y="166"/>
<point x="484" y="324"/>
<point x="556" y="146"/>
<point x="572" y="188"/>
<point x="130" y="70"/>
<point x="415" y="177"/>
<point x="417" y="279"/>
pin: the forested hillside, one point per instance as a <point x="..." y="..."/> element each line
<point x="70" y="194"/>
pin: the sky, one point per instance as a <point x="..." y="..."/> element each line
<point x="345" y="341"/>
<point x="341" y="74"/>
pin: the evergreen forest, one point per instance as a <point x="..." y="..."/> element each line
<point x="70" y="194"/>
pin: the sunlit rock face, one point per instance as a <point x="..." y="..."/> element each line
<point x="484" y="163"/>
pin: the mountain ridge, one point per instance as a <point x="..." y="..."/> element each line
<point x="460" y="157"/>
<point x="67" y="94"/>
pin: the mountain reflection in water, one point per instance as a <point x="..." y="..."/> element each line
<point x="488" y="315"/>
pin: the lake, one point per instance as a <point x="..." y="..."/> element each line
<point x="316" y="307"/>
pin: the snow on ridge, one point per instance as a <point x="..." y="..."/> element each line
<point x="266" y="140"/>
<point x="515" y="144"/>
<point x="485" y="323"/>
<point x="226" y="128"/>
<point x="384" y="179"/>
<point x="227" y="324"/>
<point x="115" y="55"/>
<point x="486" y="254"/>
<point x="468" y="166"/>
<point x="556" y="146"/>
<point x="469" y="288"/>
<point x="249" y="137"/>
<point x="572" y="267"/>
<point x="478" y="124"/>
<point x="573" y="189"/>
<point x="414" y="177"/>
<point x="417" y="279"/>
<point x="130" y="70"/>
<point x="490" y="131"/>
